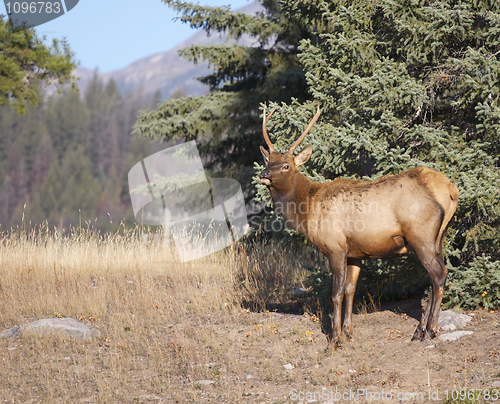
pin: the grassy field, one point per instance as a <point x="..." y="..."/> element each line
<point x="173" y="332"/>
<point x="158" y="318"/>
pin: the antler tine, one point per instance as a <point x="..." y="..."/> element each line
<point x="264" y="129"/>
<point x="301" y="138"/>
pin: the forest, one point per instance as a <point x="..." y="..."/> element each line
<point x="66" y="160"/>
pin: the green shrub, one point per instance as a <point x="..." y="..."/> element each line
<point x="477" y="285"/>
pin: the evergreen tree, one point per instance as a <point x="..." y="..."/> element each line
<point x="157" y="98"/>
<point x="29" y="134"/>
<point x="25" y="62"/>
<point x="41" y="165"/>
<point x="35" y="167"/>
<point x="70" y="188"/>
<point x="107" y="146"/>
<point x="66" y="119"/>
<point x="226" y="123"/>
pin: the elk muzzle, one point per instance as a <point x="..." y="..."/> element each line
<point x="265" y="177"/>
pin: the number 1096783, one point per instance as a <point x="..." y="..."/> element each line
<point x="34" y="7"/>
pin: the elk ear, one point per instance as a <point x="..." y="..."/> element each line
<point x="265" y="154"/>
<point x="303" y="156"/>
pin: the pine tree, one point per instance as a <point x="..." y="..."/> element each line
<point x="70" y="188"/>
<point x="25" y="63"/>
<point x="36" y="151"/>
<point x="226" y="123"/>
<point x="66" y="120"/>
<point x="41" y="165"/>
<point x="14" y="191"/>
<point x="404" y="84"/>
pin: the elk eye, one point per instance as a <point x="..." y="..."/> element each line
<point x="286" y="167"/>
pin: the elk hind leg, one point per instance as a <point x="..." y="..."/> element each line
<point x="438" y="280"/>
<point x="353" y="268"/>
<point x="433" y="262"/>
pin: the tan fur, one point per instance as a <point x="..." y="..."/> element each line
<point x="446" y="193"/>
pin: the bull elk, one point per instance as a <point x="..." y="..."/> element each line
<point x="351" y="220"/>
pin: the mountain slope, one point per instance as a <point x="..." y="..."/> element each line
<point x="165" y="71"/>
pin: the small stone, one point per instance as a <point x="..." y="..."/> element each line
<point x="249" y="377"/>
<point x="289" y="366"/>
<point x="299" y="291"/>
<point x="452" y="336"/>
<point x="11" y="332"/>
<point x="204" y="382"/>
<point x="495" y="385"/>
<point x="429" y="346"/>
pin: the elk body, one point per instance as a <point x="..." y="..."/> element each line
<point x="352" y="220"/>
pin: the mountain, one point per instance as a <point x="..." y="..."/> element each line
<point x="165" y="71"/>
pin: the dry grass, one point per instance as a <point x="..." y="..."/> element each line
<point x="158" y="317"/>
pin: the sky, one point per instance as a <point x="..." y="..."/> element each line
<point x="111" y="34"/>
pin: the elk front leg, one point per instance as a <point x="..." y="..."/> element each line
<point x="353" y="268"/>
<point x="338" y="265"/>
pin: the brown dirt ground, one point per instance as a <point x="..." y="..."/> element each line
<point x="244" y="354"/>
<point x="380" y="360"/>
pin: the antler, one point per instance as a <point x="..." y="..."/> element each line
<point x="301" y="138"/>
<point x="264" y="129"/>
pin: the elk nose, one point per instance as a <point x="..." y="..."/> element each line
<point x="265" y="174"/>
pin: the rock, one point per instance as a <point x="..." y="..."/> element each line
<point x="299" y="292"/>
<point x="48" y="326"/>
<point x="288" y="366"/>
<point x="495" y="385"/>
<point x="11" y="332"/>
<point x="450" y="321"/>
<point x="452" y="336"/>
<point x="204" y="382"/>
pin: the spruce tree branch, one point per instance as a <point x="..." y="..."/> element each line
<point x="223" y="20"/>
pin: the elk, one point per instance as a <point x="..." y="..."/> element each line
<point x="351" y="220"/>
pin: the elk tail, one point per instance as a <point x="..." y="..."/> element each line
<point x="449" y="211"/>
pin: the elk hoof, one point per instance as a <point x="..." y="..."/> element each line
<point x="417" y="335"/>
<point x="346" y="335"/>
<point x="428" y="335"/>
<point x="333" y="344"/>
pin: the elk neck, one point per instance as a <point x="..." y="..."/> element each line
<point x="295" y="201"/>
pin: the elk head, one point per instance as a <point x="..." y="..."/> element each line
<point x="282" y="168"/>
